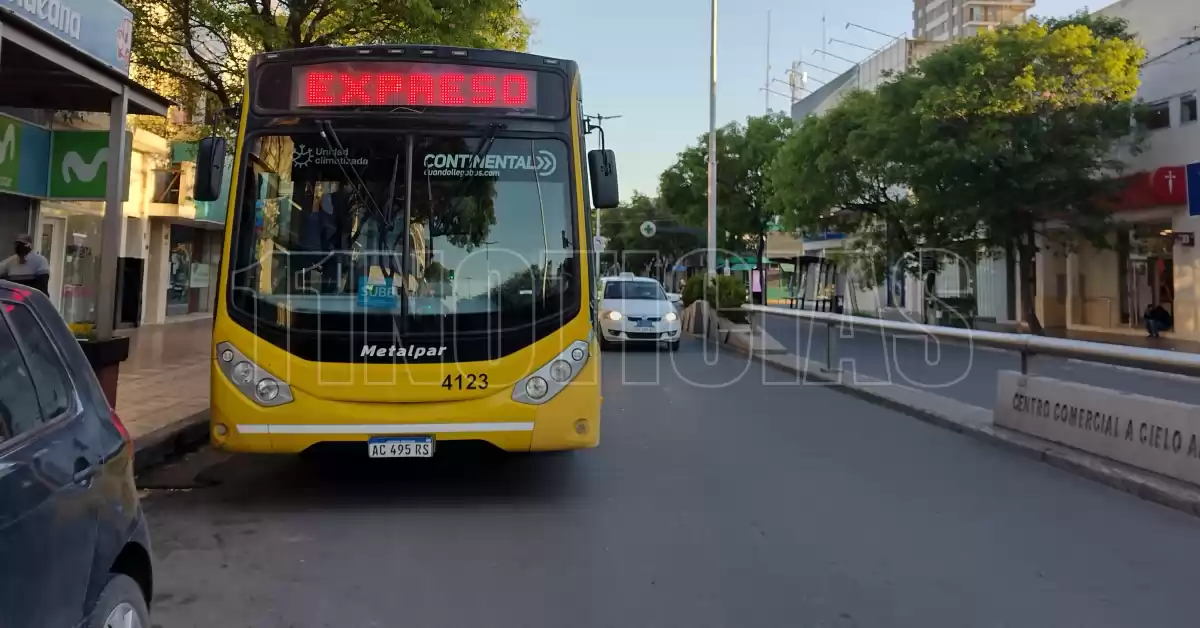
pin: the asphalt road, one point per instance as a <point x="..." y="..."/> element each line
<point x="961" y="371"/>
<point x="714" y="501"/>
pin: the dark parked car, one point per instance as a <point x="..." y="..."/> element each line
<point x="74" y="546"/>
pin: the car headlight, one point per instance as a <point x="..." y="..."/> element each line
<point x="670" y="317"/>
<point x="252" y="380"/>
<point x="613" y="315"/>
<point x="543" y="384"/>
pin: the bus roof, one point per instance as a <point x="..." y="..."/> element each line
<point x="414" y="53"/>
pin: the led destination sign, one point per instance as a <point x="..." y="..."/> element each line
<point x="402" y="84"/>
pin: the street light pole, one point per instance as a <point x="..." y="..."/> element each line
<point x="712" y="148"/>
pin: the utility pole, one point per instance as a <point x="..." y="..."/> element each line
<point x="767" y="84"/>
<point x="823" y="37"/>
<point x="712" y="146"/>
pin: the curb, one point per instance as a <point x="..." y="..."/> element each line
<point x="976" y="422"/>
<point x="170" y="441"/>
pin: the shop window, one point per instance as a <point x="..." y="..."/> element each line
<point x="1158" y="115"/>
<point x="166" y="186"/>
<point x="1187" y="106"/>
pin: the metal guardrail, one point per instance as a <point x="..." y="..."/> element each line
<point x="1027" y="345"/>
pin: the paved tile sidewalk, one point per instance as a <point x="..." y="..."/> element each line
<point x="166" y="377"/>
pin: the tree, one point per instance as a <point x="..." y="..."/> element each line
<point x="846" y="171"/>
<point x="744" y="155"/>
<point x="1019" y="129"/>
<point x="634" y="251"/>
<point x="204" y="45"/>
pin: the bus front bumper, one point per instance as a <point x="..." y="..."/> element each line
<point x="571" y="420"/>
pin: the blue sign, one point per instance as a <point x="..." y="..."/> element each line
<point x="827" y="235"/>
<point x="1193" y="189"/>
<point x="381" y="295"/>
<point x="101" y="29"/>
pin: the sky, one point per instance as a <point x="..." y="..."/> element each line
<point x="648" y="61"/>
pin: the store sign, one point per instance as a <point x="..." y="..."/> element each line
<point x="101" y="29"/>
<point x="1192" y="172"/>
<point x="10" y="154"/>
<point x="1153" y="434"/>
<point x="24" y="153"/>
<point x="79" y="165"/>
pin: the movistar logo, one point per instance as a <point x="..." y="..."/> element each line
<point x="8" y="144"/>
<point x="85" y="171"/>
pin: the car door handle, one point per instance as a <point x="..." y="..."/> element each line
<point x="85" y="470"/>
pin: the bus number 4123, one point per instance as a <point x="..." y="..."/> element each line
<point x="465" y="382"/>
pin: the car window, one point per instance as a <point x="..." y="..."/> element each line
<point x="634" y="290"/>
<point x="19" y="408"/>
<point x="50" y="380"/>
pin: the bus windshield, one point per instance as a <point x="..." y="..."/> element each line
<point x="452" y="233"/>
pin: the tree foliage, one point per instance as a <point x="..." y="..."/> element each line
<point x="744" y="155"/>
<point x="204" y="45"/>
<point x="631" y="250"/>
<point x="990" y="140"/>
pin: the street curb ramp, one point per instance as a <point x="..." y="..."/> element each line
<point x="170" y="442"/>
<point x="976" y="422"/>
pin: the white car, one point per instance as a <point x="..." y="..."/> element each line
<point x="635" y="310"/>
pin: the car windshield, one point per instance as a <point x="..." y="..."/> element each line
<point x="487" y="234"/>
<point x="641" y="290"/>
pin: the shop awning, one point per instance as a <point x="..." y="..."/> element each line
<point x="40" y="71"/>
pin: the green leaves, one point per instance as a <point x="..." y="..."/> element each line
<point x="984" y="143"/>
<point x="745" y="153"/>
<point x="190" y="48"/>
<point x="633" y="251"/>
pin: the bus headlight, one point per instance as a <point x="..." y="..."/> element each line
<point x="257" y="384"/>
<point x="560" y="370"/>
<point x="536" y="387"/>
<point x="543" y="384"/>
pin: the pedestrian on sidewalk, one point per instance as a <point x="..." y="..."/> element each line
<point x="27" y="267"/>
<point x="1157" y="319"/>
<point x="756" y="287"/>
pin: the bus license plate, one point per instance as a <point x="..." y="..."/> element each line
<point x="401" y="447"/>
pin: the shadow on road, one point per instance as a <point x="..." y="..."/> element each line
<point x="342" y="477"/>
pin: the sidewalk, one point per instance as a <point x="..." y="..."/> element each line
<point x="1128" y="339"/>
<point x="166" y="378"/>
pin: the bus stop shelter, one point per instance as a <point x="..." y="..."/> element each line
<point x="73" y="55"/>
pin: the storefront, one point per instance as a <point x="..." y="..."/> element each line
<point x="194" y="255"/>
<point x="65" y="186"/>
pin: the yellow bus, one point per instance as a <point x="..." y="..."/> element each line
<point x="406" y="253"/>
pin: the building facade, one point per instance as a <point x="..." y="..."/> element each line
<point x="169" y="247"/>
<point x="948" y="20"/>
<point x="73" y="174"/>
<point x="1152" y="258"/>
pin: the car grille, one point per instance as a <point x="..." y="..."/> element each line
<point x="638" y="319"/>
<point x="642" y="335"/>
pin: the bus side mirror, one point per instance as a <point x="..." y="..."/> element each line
<point x="210" y="169"/>
<point x="602" y="168"/>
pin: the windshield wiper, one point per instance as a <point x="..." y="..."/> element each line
<point x="384" y="220"/>
<point x="334" y="143"/>
<point x="481" y="151"/>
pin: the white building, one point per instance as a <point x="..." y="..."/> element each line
<point x="1153" y="261"/>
